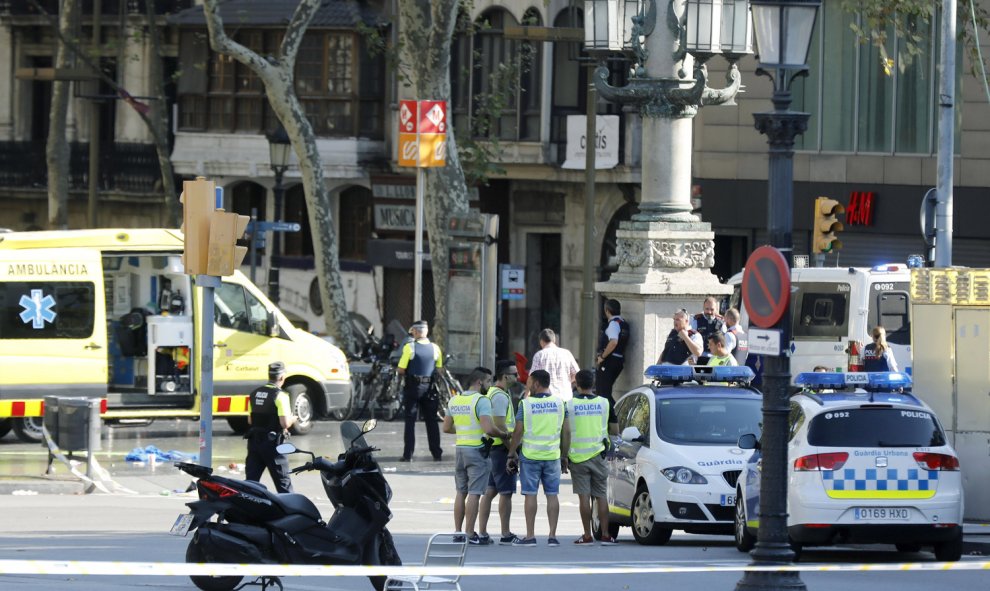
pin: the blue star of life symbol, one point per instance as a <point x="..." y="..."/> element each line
<point x="37" y="309"/>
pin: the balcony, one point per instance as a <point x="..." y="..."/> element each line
<point x="126" y="168"/>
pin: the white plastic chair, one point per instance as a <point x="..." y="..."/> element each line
<point x="441" y="550"/>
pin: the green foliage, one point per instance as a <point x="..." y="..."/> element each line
<point x="909" y="21"/>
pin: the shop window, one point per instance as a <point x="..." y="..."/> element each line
<point x="355" y="223"/>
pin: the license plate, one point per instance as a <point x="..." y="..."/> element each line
<point x="181" y="525"/>
<point x="728" y="501"/>
<point x="882" y="513"/>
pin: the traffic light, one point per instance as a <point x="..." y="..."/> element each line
<point x="198" y="205"/>
<point x="225" y="230"/>
<point x="823" y="233"/>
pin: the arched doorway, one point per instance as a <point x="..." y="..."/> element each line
<point x="607" y="264"/>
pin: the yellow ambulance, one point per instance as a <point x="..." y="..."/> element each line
<point x="110" y="314"/>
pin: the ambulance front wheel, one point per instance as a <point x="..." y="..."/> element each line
<point x="28" y="429"/>
<point x="302" y="408"/>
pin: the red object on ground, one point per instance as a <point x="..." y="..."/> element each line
<point x="521" y="363"/>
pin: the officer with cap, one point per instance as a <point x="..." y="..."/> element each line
<point x="420" y="358"/>
<point x="270" y="419"/>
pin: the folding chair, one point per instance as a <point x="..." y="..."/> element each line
<point x="441" y="550"/>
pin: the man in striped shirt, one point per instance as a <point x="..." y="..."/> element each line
<point x="558" y="362"/>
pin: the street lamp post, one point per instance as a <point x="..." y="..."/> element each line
<point x="665" y="253"/>
<point x="783" y="37"/>
<point x="279" y="150"/>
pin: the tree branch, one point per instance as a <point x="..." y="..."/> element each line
<point x="301" y="18"/>
<point x="221" y="43"/>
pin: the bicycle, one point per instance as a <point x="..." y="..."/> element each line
<point x="444" y="386"/>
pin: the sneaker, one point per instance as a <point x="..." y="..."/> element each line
<point x="475" y="540"/>
<point x="486" y="540"/>
<point x="459" y="538"/>
<point x="607" y="540"/>
<point x="508" y="540"/>
<point x="405" y="459"/>
<point x="552" y="542"/>
<point x="585" y="540"/>
<point x="524" y="542"/>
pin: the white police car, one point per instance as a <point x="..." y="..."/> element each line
<point x="676" y="462"/>
<point x="868" y="462"/>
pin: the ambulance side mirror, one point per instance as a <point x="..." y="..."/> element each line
<point x="273" y="328"/>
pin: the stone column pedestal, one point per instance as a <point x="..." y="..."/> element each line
<point x="663" y="267"/>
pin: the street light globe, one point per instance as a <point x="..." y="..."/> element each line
<point x="279" y="148"/>
<point x="783" y="32"/>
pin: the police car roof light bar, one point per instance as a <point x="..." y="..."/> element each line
<point x="819" y="380"/>
<point x="884" y="381"/>
<point x="674" y="374"/>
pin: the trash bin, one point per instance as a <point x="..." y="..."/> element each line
<point x="51" y="419"/>
<point x="78" y="424"/>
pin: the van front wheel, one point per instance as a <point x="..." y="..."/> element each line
<point x="302" y="407"/>
<point x="28" y="429"/>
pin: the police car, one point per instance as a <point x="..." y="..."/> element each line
<point x="868" y="463"/>
<point x="676" y="462"/>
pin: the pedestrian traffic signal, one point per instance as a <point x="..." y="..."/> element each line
<point x="823" y="233"/>
<point x="198" y="205"/>
<point x="225" y="230"/>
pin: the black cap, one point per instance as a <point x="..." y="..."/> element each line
<point x="276" y="369"/>
<point x="420" y="324"/>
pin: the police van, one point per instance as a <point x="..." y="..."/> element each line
<point x="832" y="307"/>
<point x="110" y="314"/>
<point x="868" y="462"/>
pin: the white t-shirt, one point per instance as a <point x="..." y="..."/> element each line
<point x="561" y="365"/>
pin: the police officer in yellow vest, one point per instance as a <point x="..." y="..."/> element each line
<point x="588" y="422"/>
<point x="544" y="442"/>
<point x="501" y="483"/>
<point x="469" y="417"/>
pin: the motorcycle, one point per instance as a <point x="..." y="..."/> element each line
<point x="255" y="525"/>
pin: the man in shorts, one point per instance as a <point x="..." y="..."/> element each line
<point x="588" y="422"/>
<point x="501" y="483"/>
<point x="544" y="442"/>
<point x="469" y="417"/>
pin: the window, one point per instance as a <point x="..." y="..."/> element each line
<point x="795" y="419"/>
<point x="339" y="84"/>
<point x="47" y="310"/>
<point x="821" y="310"/>
<point x="859" y="105"/>
<point x="890" y="310"/>
<point x="876" y="427"/>
<point x="639" y="417"/>
<point x="355" y="223"/>
<point x="622" y="409"/>
<point x="495" y="82"/>
<point x="235" y="308"/>
<point x="707" y="421"/>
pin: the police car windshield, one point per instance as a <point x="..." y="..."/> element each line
<point x="707" y="421"/>
<point x="875" y="427"/>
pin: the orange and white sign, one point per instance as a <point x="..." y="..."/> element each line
<point x="422" y="134"/>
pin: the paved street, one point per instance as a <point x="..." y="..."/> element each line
<point x="133" y="526"/>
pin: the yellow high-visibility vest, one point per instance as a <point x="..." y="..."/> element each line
<point x="510" y="417"/>
<point x="543" y="419"/>
<point x="463" y="409"/>
<point x="589" y="427"/>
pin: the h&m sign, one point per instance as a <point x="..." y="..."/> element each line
<point x="859" y="212"/>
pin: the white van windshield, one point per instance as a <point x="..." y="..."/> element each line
<point x="821" y="310"/>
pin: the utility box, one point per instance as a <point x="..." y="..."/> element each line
<point x="950" y="343"/>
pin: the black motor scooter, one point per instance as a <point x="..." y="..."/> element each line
<point x="255" y="525"/>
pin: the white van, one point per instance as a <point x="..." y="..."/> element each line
<point x="831" y="306"/>
<point x="110" y="314"/>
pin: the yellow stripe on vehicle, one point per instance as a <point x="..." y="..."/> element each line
<point x="230" y="405"/>
<point x="880" y="494"/>
<point x="21" y="408"/>
<point x="619" y="510"/>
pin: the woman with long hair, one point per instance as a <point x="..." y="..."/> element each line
<point x="877" y="356"/>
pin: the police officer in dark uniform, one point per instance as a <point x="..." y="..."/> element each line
<point x="420" y="358"/>
<point x="683" y="345"/>
<point x="708" y="323"/>
<point x="611" y="353"/>
<point x="270" y="419"/>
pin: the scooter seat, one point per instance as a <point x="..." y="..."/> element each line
<point x="296" y="504"/>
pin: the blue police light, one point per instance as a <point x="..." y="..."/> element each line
<point x="888" y="268"/>
<point x="821" y="380"/>
<point x="670" y="373"/>
<point x="888" y="381"/>
<point x="732" y="373"/>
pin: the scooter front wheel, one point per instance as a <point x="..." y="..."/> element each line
<point x="387" y="556"/>
<point x="195" y="554"/>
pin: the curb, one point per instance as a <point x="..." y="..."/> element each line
<point x="41" y="486"/>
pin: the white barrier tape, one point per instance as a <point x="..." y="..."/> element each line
<point x="79" y="567"/>
<point x="101" y="472"/>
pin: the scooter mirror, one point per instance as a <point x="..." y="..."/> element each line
<point x="369" y="425"/>
<point x="286" y="448"/>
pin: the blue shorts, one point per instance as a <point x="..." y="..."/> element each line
<point x="503" y="482"/>
<point x="534" y="472"/>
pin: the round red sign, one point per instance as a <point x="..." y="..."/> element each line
<point x="766" y="287"/>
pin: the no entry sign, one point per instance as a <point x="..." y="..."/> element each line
<point x="766" y="287"/>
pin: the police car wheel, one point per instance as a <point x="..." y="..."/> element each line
<point x="950" y="551"/>
<point x="645" y="528"/>
<point x="28" y="429"/>
<point x="302" y="408"/>
<point x="596" y="524"/>
<point x="745" y="541"/>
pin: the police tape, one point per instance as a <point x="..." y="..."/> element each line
<point x="98" y="568"/>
